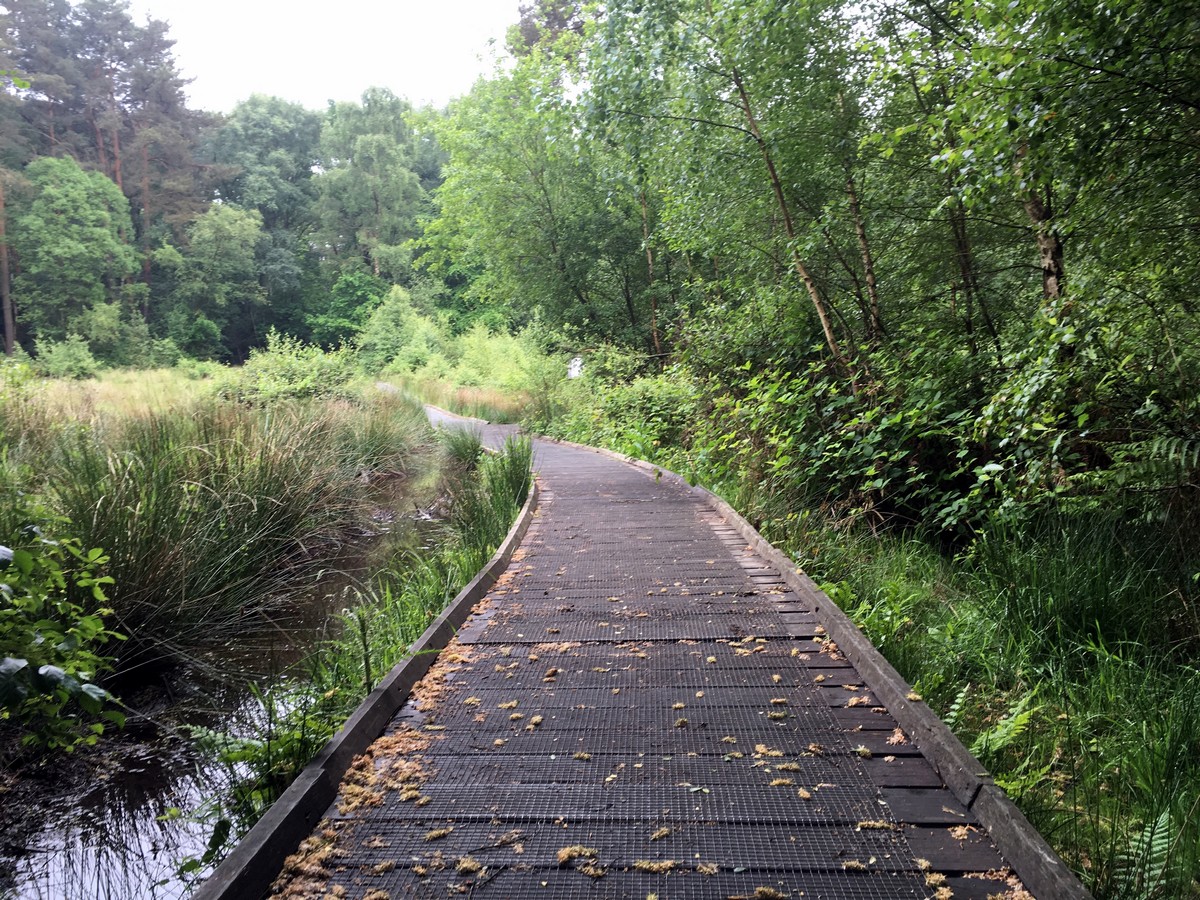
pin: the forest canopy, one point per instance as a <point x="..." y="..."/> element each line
<point x="149" y="230"/>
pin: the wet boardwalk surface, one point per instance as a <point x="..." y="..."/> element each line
<point x="641" y="707"/>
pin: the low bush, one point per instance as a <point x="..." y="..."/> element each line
<point x="650" y="417"/>
<point x="69" y="358"/>
<point x="289" y="369"/>
<point x="53" y="641"/>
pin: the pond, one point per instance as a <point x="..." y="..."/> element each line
<point x="117" y="822"/>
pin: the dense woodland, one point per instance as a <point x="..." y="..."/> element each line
<point x="937" y="254"/>
<point x="919" y="269"/>
<point x="149" y="230"/>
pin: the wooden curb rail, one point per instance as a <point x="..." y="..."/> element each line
<point x="249" y="870"/>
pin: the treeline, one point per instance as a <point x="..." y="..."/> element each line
<point x="134" y="230"/>
<point x="923" y="260"/>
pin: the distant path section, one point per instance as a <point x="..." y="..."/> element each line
<point x="649" y="702"/>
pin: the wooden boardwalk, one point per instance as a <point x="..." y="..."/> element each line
<point x="644" y="706"/>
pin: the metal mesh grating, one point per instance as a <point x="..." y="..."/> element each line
<point x="535" y="631"/>
<point x="733" y="846"/>
<point x="618" y="803"/>
<point x="519" y="880"/>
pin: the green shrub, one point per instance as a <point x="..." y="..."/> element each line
<point x="290" y="369"/>
<point x="70" y="358"/>
<point x="396" y="338"/>
<point x="650" y="417"/>
<point x="53" y="634"/>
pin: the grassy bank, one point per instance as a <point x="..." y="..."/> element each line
<point x="207" y="513"/>
<point x="1027" y="646"/>
<point x="491" y="404"/>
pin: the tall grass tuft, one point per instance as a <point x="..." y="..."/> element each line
<point x="462" y="448"/>
<point x="1063" y="577"/>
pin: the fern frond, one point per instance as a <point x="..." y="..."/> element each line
<point x="1008" y="729"/>
<point x="1181" y="452"/>
<point x="1143" y="864"/>
<point x="955" y="711"/>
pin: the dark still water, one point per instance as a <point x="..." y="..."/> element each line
<point x="121" y="821"/>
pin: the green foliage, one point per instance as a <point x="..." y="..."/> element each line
<point x="53" y="636"/>
<point x="532" y="213"/>
<point x="288" y="369"/>
<point x="70" y="240"/>
<point x="370" y="192"/>
<point x="352" y="300"/>
<point x="218" y="288"/>
<point x="268" y="146"/>
<point x="493" y="375"/>
<point x="650" y="417"/>
<point x="1012" y="649"/>
<point x="396" y="338"/>
<point x="70" y="358"/>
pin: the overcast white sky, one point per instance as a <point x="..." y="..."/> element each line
<point x="426" y="50"/>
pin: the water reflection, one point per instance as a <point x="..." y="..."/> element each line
<point x="116" y="824"/>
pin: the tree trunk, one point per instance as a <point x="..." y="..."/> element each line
<point x="965" y="257"/>
<point x="798" y="263"/>
<point x="101" y="149"/>
<point x="875" y="325"/>
<point x="145" y="219"/>
<point x="627" y="292"/>
<point x="116" y="142"/>
<point x="10" y="323"/>
<point x="650" y="276"/>
<point x="1050" y="247"/>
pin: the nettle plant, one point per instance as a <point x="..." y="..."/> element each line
<point x="52" y="634"/>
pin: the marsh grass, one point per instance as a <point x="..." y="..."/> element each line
<point x="210" y="511"/>
<point x="462" y="448"/>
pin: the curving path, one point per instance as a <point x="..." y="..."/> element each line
<point x="644" y="705"/>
